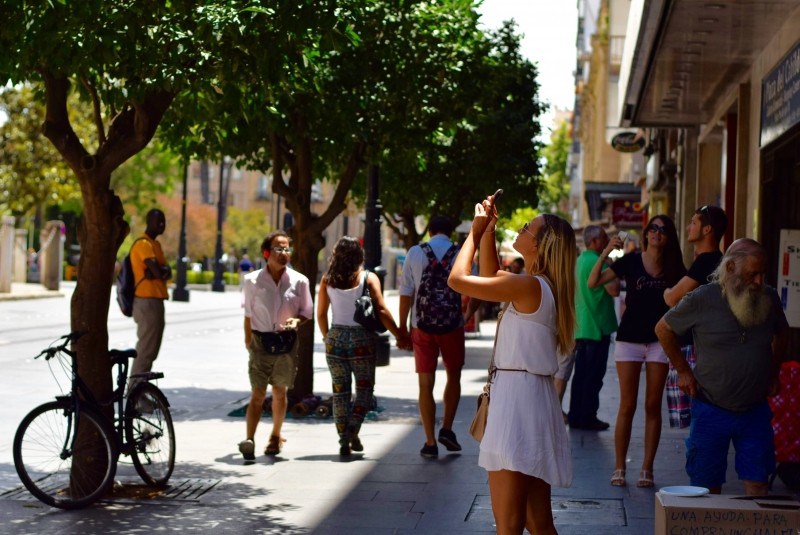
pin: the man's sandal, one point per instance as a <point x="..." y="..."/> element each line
<point x="645" y="479"/>
<point x="618" y="478"/>
<point x="274" y="446"/>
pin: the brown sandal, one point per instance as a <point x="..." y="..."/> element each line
<point x="618" y="478"/>
<point x="275" y="445"/>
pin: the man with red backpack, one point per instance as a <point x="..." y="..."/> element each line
<point x="437" y="326"/>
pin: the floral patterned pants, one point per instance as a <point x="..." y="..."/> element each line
<point x="350" y="352"/>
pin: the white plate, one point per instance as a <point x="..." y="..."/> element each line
<point x="685" y="491"/>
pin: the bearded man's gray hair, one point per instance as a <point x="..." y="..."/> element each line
<point x="736" y="253"/>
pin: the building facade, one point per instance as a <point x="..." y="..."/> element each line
<point x="716" y="87"/>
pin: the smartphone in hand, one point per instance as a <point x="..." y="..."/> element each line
<point x="622" y="235"/>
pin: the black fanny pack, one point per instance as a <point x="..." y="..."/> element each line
<point x="277" y="343"/>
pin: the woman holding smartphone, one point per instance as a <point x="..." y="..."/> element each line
<point x="525" y="448"/>
<point x="647" y="274"/>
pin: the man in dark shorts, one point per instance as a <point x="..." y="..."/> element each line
<point x="741" y="334"/>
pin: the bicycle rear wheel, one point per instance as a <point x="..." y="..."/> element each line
<point x="149" y="434"/>
<point x="64" y="461"/>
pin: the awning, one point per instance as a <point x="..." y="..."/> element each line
<point x="687" y="56"/>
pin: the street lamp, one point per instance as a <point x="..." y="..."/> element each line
<point x="219" y="268"/>
<point x="372" y="249"/>
<point x="181" y="292"/>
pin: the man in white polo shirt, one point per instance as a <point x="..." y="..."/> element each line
<point x="277" y="299"/>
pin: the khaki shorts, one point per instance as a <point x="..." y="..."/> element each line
<point x="265" y="369"/>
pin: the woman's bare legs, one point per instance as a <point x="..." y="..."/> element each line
<point x="628" y="374"/>
<point x="520" y="501"/>
<point x="540" y="511"/>
<point x="656" y="378"/>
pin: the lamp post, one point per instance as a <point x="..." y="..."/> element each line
<point x="372" y="249"/>
<point x="181" y="292"/>
<point x="219" y="268"/>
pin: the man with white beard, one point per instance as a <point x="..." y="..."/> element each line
<point x="740" y="332"/>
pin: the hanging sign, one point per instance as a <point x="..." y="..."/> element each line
<point x="628" y="142"/>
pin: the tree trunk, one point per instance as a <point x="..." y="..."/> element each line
<point x="307" y="244"/>
<point x="101" y="231"/>
<point x="306" y="234"/>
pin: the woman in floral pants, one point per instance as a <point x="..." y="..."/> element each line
<point x="349" y="348"/>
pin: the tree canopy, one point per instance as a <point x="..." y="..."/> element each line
<point x="305" y="89"/>
<point x="130" y="60"/>
<point x="388" y="78"/>
<point x="555" y="180"/>
<point x="31" y="170"/>
<point x="487" y="142"/>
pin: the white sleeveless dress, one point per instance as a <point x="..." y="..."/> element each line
<point x="525" y="430"/>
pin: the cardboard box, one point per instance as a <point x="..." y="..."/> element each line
<point x="726" y="515"/>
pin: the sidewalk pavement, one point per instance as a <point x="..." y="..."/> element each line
<point x="28" y="290"/>
<point x="309" y="488"/>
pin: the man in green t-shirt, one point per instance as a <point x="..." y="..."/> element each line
<point x="596" y="319"/>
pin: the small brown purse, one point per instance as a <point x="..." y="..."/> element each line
<point x="478" y="426"/>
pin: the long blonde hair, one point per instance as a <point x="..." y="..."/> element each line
<point x="556" y="261"/>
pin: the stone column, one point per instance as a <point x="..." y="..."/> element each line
<point x="20" y="260"/>
<point x="52" y="254"/>
<point x="6" y="252"/>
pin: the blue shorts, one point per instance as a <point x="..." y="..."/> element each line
<point x="713" y="429"/>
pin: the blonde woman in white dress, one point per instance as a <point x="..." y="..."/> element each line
<point x="525" y="448"/>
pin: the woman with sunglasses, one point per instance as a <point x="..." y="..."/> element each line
<point x="349" y="348"/>
<point x="525" y="448"/>
<point x="647" y="274"/>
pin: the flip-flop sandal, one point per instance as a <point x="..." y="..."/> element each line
<point x="618" y="478"/>
<point x="645" y="479"/>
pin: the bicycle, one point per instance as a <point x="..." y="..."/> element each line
<point x="52" y="436"/>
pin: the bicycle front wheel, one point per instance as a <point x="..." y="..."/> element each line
<point x="149" y="434"/>
<point x="65" y="461"/>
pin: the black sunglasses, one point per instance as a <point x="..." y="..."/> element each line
<point x="657" y="228"/>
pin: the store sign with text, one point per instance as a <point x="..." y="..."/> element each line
<point x="780" y="97"/>
<point x="625" y="213"/>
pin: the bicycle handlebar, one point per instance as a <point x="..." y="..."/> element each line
<point x="51" y="352"/>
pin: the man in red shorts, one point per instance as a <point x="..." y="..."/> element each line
<point x="437" y="327"/>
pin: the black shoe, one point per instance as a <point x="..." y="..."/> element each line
<point x="448" y="438"/>
<point x="431" y="452"/>
<point x="247" y="448"/>
<point x="596" y="425"/>
<point x="356" y="445"/>
<point x="344" y="451"/>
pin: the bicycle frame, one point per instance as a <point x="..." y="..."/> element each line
<point x="81" y="394"/>
<point x="140" y="427"/>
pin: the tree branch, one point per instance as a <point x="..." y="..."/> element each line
<point x="57" y="127"/>
<point x="392" y="224"/>
<point x="278" y="158"/>
<point x="98" y="116"/>
<point x="346" y="177"/>
<point x="132" y="129"/>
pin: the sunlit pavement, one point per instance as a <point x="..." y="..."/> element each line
<point x="389" y="488"/>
